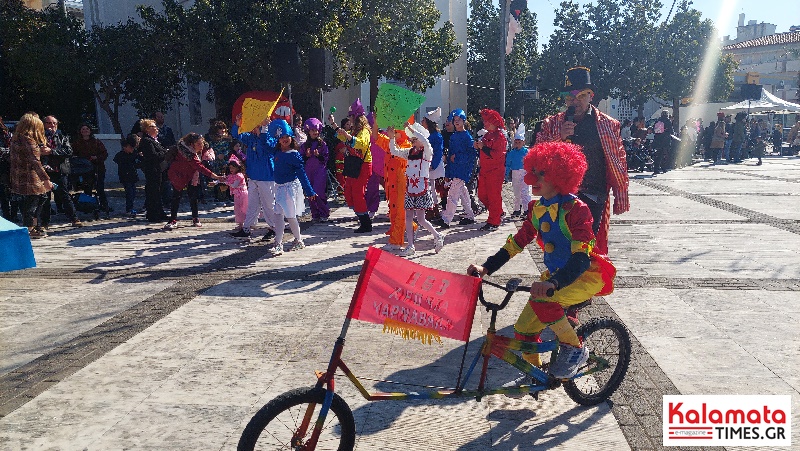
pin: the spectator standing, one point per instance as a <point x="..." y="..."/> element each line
<point x="165" y="135"/>
<point x="219" y="139"/>
<point x="89" y="147"/>
<point x="777" y="138"/>
<point x="167" y="139"/>
<point x="718" y="141"/>
<point x="794" y="136"/>
<point x="184" y="172"/>
<point x="153" y="160"/>
<point x="599" y="137"/>
<point x="625" y="131"/>
<point x="738" y="139"/>
<point x="662" y="130"/>
<point x="60" y="152"/>
<point x="128" y="162"/>
<point x="28" y="177"/>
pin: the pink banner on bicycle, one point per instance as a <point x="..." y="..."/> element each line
<point x="414" y="301"/>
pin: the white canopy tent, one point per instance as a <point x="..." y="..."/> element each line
<point x="766" y="102"/>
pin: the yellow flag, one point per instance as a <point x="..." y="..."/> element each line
<point x="254" y="112"/>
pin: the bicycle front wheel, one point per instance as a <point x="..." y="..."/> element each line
<point x="276" y="425"/>
<point x="607" y="339"/>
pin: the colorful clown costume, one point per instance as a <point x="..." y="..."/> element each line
<point x="562" y="226"/>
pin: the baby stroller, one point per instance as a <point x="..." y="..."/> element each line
<point x="638" y="154"/>
<point x="335" y="189"/>
<point x="82" y="178"/>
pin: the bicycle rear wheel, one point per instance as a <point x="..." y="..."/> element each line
<point x="276" y="424"/>
<point x="606" y="339"/>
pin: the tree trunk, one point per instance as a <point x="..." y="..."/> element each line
<point x="113" y="114"/>
<point x="640" y="111"/>
<point x="676" y="115"/>
<point x="373" y="91"/>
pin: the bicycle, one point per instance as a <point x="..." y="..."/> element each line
<point x="301" y="419"/>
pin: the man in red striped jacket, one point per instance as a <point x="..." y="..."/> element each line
<point x="599" y="137"/>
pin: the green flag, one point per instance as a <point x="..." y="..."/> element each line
<point x="394" y="105"/>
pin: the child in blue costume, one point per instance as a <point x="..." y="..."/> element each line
<point x="562" y="225"/>
<point x="291" y="182"/>
<point x="522" y="191"/>
<point x="459" y="169"/>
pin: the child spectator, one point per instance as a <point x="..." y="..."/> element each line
<point x="238" y="188"/>
<point x="522" y="191"/>
<point x="460" y="167"/>
<point x="418" y="196"/>
<point x="315" y="154"/>
<point x="574" y="272"/>
<point x="128" y="161"/>
<point x="291" y="182"/>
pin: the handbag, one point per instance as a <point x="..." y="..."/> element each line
<point x="352" y="166"/>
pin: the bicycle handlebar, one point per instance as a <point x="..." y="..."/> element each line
<point x="511" y="287"/>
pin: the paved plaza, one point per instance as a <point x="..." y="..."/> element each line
<point x="126" y="336"/>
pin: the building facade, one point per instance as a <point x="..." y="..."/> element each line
<point x="767" y="58"/>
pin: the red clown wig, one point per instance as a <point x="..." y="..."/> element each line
<point x="563" y="164"/>
<point x="492" y="117"/>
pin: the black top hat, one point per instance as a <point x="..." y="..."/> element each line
<point x="577" y="79"/>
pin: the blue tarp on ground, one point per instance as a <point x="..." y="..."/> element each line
<point x="15" y="247"/>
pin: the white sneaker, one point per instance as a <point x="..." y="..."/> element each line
<point x="569" y="360"/>
<point x="297" y="245"/>
<point x="277" y="249"/>
<point x="391" y="247"/>
<point x="408" y="251"/>
<point x="438" y="244"/>
<point x="172" y="225"/>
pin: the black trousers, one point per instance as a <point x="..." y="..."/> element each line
<point x="152" y="196"/>
<point x="597" y="207"/>
<point x="31" y="205"/>
<point x="193" y="192"/>
<point x="62" y="198"/>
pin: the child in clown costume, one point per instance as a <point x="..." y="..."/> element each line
<point x="492" y="150"/>
<point x="418" y="198"/>
<point x="394" y="171"/>
<point x="358" y="144"/>
<point x="562" y="226"/>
